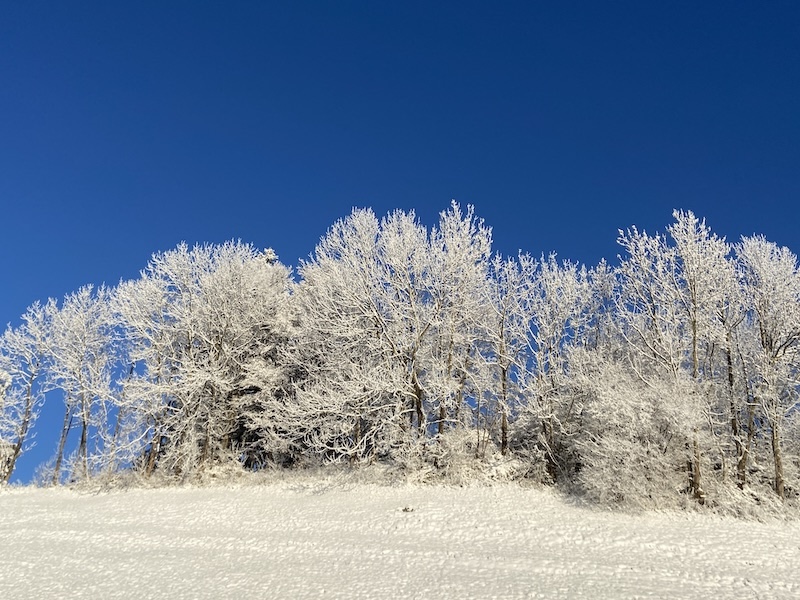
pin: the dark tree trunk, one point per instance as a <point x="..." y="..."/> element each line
<point x="736" y="432"/>
<point x="777" y="455"/>
<point x="61" y="444"/>
<point x="504" y="432"/>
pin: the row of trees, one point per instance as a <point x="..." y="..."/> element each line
<point x="673" y="373"/>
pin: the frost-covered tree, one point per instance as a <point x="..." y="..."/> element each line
<point x="772" y="289"/>
<point x="558" y="301"/>
<point x="505" y="339"/>
<point x="703" y="284"/>
<point x="391" y="317"/>
<point x="81" y="368"/>
<point x="363" y="319"/>
<point x="679" y="317"/>
<point x="710" y="294"/>
<point x="460" y="248"/>
<point x="24" y="356"/>
<point x="702" y="278"/>
<point x="653" y="320"/>
<point x="202" y="326"/>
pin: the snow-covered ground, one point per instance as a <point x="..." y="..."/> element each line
<point x="314" y="539"/>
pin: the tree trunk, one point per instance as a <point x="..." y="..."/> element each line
<point x="548" y="436"/>
<point x="695" y="359"/>
<point x="357" y="439"/>
<point x="778" y="459"/>
<point x="697" y="482"/>
<point x="61" y="444"/>
<point x="751" y="416"/>
<point x="751" y="427"/>
<point x="504" y="432"/>
<point x="111" y="455"/>
<point x="504" y="411"/>
<point x="150" y="466"/>
<point x="83" y="446"/>
<point x="155" y="446"/>
<point x="16" y="449"/>
<point x="418" y="406"/>
<point x="741" y="451"/>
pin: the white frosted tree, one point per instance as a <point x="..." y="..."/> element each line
<point x="202" y="326"/>
<point x="81" y="367"/>
<point x="711" y="288"/>
<point x="706" y="291"/>
<point x="24" y="356"/>
<point x="358" y="389"/>
<point x="678" y="315"/>
<point x="772" y="290"/>
<point x="505" y="340"/>
<point x="460" y="248"/>
<point x="365" y="312"/>
<point x="558" y="302"/>
<point x="654" y="322"/>
<point x="392" y="318"/>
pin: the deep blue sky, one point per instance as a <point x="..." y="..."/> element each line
<point x="126" y="128"/>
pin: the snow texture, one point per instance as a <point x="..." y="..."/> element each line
<point x="314" y="539"/>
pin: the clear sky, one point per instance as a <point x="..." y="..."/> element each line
<point x="128" y="127"/>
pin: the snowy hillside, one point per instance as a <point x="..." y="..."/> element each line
<point x="314" y="539"/>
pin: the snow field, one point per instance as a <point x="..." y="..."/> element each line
<point x="316" y="540"/>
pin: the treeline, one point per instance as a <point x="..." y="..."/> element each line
<point x="673" y="375"/>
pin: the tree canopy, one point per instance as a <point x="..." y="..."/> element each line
<point x="670" y="377"/>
